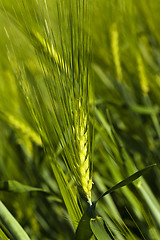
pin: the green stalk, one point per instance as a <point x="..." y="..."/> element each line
<point x="11" y="224"/>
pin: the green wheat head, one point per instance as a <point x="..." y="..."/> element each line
<point x="60" y="100"/>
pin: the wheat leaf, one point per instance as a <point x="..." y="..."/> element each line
<point x="17" y="187"/>
<point x="84" y="230"/>
<point x="11" y="224"/>
<point x="97" y="226"/>
<point x="3" y="235"/>
<point x="128" y="180"/>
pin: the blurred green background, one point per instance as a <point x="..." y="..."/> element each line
<point x="125" y="111"/>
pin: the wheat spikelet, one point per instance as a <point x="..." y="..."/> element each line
<point x="81" y="132"/>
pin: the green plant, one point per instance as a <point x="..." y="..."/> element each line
<point x="72" y="65"/>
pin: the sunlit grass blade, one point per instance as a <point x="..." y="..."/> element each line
<point x="3" y="235"/>
<point x="11" y="224"/>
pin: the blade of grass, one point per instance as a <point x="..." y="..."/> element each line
<point x="3" y="235"/>
<point x="11" y="224"/>
<point x="17" y="187"/>
<point x="67" y="194"/>
<point x="127" y="181"/>
<point x="84" y="230"/>
<point x="97" y="226"/>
